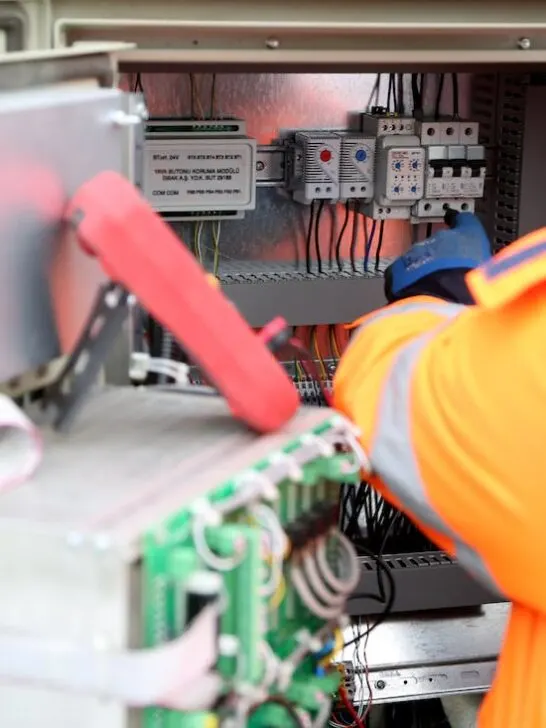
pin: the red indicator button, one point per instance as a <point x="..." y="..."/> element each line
<point x="325" y="155"/>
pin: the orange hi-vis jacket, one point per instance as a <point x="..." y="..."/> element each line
<point x="451" y="404"/>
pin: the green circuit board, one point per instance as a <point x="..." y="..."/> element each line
<point x="171" y="559"/>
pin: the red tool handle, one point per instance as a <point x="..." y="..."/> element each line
<point x="138" y="250"/>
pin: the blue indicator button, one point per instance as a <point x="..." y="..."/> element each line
<point x="361" y="155"/>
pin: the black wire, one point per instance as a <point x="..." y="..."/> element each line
<point x="455" y="91"/>
<point x="309" y="236"/>
<point x="279" y="700"/>
<point x="354" y="235"/>
<point x="342" y="233"/>
<point x="332" y="209"/>
<point x="389" y="603"/>
<point x="138" y="87"/>
<point x="439" y="93"/>
<point x="390" y="91"/>
<point x="401" y="108"/>
<point x="417" y="95"/>
<point x="317" y="235"/>
<point x="374" y="93"/>
<point x="379" y="244"/>
<point x="212" y="94"/>
<point x="369" y="243"/>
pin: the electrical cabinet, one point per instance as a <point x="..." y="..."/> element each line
<point x="330" y="189"/>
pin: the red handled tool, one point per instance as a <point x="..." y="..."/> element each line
<point x="141" y="255"/>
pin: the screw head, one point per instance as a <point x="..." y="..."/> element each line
<point x="272" y="43"/>
<point x="524" y="44"/>
<point x="260" y="166"/>
<point x="380" y="684"/>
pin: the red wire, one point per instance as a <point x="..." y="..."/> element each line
<point x="350" y="708"/>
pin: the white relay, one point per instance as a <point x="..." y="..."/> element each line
<point x="400" y="177"/>
<point x="200" y="175"/>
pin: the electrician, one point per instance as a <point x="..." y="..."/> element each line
<point x="447" y="384"/>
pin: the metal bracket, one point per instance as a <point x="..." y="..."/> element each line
<point x="82" y="368"/>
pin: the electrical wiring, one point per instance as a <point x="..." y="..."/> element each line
<point x="205" y="553"/>
<point x="330" y="598"/>
<point x="379" y="245"/>
<point x="391" y="92"/>
<point x="354" y="236"/>
<point x="308" y="597"/>
<point x="439" y="94"/>
<point x="269" y="521"/>
<point x="350" y="708"/>
<point x="309" y="236"/>
<point x="369" y="243"/>
<point x="213" y="96"/>
<point x="455" y="92"/>
<point x="350" y="563"/>
<point x="291" y="711"/>
<point x="373" y="98"/>
<point x="317" y="235"/>
<point x="334" y="347"/>
<point x="342" y="233"/>
<point x="316" y="350"/>
<point x="400" y="94"/>
<point x="309" y="367"/>
<point x="216" y="226"/>
<point x="195" y="92"/>
<point x="197" y="234"/>
<point x="137" y="86"/>
<point x="417" y="95"/>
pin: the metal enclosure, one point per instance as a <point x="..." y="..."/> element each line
<point x="51" y="140"/>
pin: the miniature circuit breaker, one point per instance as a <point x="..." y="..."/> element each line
<point x="455" y="168"/>
<point x="164" y="558"/>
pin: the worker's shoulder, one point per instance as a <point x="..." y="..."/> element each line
<point x="515" y="271"/>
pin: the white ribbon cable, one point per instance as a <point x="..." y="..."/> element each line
<point x="348" y="583"/>
<point x="309" y="599"/>
<point x="175" y="675"/>
<point x="317" y="583"/>
<point x="20" y="445"/>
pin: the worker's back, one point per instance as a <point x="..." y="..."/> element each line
<point x="450" y="401"/>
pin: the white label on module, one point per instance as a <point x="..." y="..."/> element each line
<point x="200" y="175"/>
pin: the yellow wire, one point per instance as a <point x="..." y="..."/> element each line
<point x="333" y="343"/>
<point x="323" y="372"/>
<point x="197" y="97"/>
<point x="216" y="242"/>
<point x="338" y="648"/>
<point x="279" y="595"/>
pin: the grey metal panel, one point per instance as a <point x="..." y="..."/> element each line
<point x="532" y="207"/>
<point x="271" y="103"/>
<point x="303" y="299"/>
<point x="55" y="139"/>
<point x="429" y="655"/>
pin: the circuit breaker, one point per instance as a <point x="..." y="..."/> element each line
<point x="315" y="166"/>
